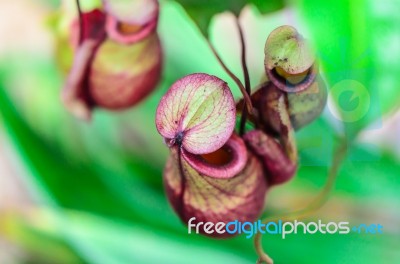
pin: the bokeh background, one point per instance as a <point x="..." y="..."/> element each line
<point x="76" y="192"/>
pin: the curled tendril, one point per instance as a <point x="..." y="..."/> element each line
<point x="312" y="207"/>
<point x="246" y="97"/>
<point x="246" y="76"/>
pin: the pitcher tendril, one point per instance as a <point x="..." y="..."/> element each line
<point x="246" y="76"/>
<point x="246" y="97"/>
<point x="317" y="203"/>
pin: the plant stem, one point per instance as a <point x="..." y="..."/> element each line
<point x="246" y="75"/>
<point x="235" y="78"/>
<point x="78" y="6"/>
<point x="315" y="205"/>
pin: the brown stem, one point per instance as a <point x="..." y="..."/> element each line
<point x="312" y="207"/>
<point x="235" y="78"/>
<point x="246" y="75"/>
<point x="78" y="6"/>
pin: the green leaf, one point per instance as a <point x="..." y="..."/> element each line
<point x="39" y="241"/>
<point x="203" y="11"/>
<point x="103" y="240"/>
<point x="355" y="41"/>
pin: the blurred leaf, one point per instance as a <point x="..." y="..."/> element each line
<point x="355" y="41"/>
<point x="100" y="240"/>
<point x="40" y="244"/>
<point x="203" y="11"/>
<point x="101" y="187"/>
<point x="117" y="242"/>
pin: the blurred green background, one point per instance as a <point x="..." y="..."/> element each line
<point x="73" y="192"/>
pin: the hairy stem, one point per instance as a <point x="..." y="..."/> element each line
<point x="313" y="206"/>
<point x="246" y="77"/>
<point x="78" y="6"/>
<point x="235" y="78"/>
